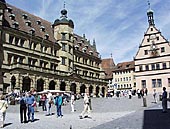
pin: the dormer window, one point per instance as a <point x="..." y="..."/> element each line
<point x="32" y="31"/>
<point x="42" y="28"/>
<point x="46" y="36"/>
<point x="9" y="9"/>
<point x="84" y="50"/>
<point x="77" y="47"/>
<point x="15" y="25"/>
<point x="86" y="46"/>
<point x="24" y="16"/>
<point x="12" y="16"/>
<point x="28" y="23"/>
<point x="91" y="52"/>
<point x="38" y="22"/>
<point x="79" y="43"/>
<point x="82" y="41"/>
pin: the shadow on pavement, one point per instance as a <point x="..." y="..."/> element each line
<point x="6" y="124"/>
<point x="156" y="119"/>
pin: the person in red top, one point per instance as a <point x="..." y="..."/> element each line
<point x="43" y="101"/>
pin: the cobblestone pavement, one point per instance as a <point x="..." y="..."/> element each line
<point x="108" y="113"/>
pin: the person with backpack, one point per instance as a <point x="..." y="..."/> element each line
<point x="23" y="108"/>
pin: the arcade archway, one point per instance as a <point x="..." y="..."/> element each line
<point x="73" y="88"/>
<point x="26" y="84"/>
<point x="40" y="85"/>
<point x="63" y="86"/>
<point x="90" y="90"/>
<point x="13" y="82"/>
<point x="52" y="85"/>
<point x="82" y="89"/>
<point x="103" y="91"/>
<point x="97" y="91"/>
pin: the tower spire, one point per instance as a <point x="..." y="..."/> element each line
<point x="150" y="15"/>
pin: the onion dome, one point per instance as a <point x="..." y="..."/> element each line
<point x="64" y="20"/>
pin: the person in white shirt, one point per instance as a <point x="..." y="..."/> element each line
<point x="49" y="103"/>
<point x="87" y="107"/>
<point x="72" y="102"/>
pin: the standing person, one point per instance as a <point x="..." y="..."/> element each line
<point x="3" y="107"/>
<point x="130" y="94"/>
<point x="138" y="92"/>
<point x="58" y="103"/>
<point x="31" y="103"/>
<point x="49" y="102"/>
<point x="146" y="91"/>
<point x="43" y="101"/>
<point x="72" y="102"/>
<point x="164" y="100"/>
<point x="155" y="95"/>
<point x="87" y="107"/>
<point x="23" y="108"/>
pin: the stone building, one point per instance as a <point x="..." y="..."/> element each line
<point x="123" y="76"/>
<point x="2" y="9"/>
<point x="152" y="61"/>
<point x="41" y="55"/>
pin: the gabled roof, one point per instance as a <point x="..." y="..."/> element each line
<point x="124" y="66"/>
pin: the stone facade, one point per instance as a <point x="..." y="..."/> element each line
<point x="152" y="61"/>
<point x="41" y="55"/>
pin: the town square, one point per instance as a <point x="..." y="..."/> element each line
<point x="86" y="64"/>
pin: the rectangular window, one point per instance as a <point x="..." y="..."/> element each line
<point x="146" y="52"/>
<point x="153" y="83"/>
<point x="157" y="38"/>
<point x="164" y="65"/>
<point x="140" y="68"/>
<point x="11" y="39"/>
<point x="63" y="61"/>
<point x="143" y="83"/>
<point x="63" y="36"/>
<point x="162" y="49"/>
<point x="169" y="82"/>
<point x="157" y="66"/>
<point x="153" y="66"/>
<point x="147" y="40"/>
<point x="147" y="67"/>
<point x="159" y="82"/>
<point x="63" y="47"/>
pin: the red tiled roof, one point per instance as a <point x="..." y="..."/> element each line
<point x="108" y="66"/>
<point x="124" y="66"/>
<point x="18" y="17"/>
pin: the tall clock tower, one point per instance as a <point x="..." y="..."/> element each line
<point x="63" y="33"/>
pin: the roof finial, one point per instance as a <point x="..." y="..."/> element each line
<point x="64" y="5"/>
<point x="149" y="4"/>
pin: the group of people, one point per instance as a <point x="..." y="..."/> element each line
<point x="28" y="104"/>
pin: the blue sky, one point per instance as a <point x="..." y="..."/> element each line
<point x="118" y="26"/>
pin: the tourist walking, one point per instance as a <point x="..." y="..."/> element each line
<point x="49" y="102"/>
<point x="31" y="103"/>
<point x="23" y="108"/>
<point x="87" y="107"/>
<point x="164" y="100"/>
<point x="72" y="102"/>
<point x="155" y="96"/>
<point x="3" y="107"/>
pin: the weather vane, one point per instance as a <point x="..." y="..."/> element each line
<point x="64" y="4"/>
<point x="149" y="4"/>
